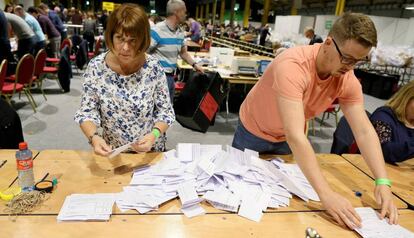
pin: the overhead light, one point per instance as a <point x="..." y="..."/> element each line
<point x="153" y="11"/>
<point x="409" y="7"/>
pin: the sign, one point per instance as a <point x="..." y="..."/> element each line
<point x="328" y="24"/>
<point x="109" y="6"/>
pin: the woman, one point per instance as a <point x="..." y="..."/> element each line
<point x="125" y="90"/>
<point x="394" y="124"/>
<point x="89" y="30"/>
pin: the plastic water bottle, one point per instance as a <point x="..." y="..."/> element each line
<point x="25" y="167"/>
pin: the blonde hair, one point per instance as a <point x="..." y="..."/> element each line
<point x="355" y="26"/>
<point x="129" y="19"/>
<point x="398" y="102"/>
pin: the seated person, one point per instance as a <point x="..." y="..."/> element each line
<point x="394" y="124"/>
<point x="125" y="90"/>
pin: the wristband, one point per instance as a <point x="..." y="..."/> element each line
<point x="156" y="132"/>
<point x="192" y="65"/>
<point x="383" y="181"/>
<point x="91" y="137"/>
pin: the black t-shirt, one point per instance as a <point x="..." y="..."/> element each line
<point x="316" y="39"/>
<point x="4" y="37"/>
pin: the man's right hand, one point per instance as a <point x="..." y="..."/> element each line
<point x="341" y="210"/>
<point x="100" y="147"/>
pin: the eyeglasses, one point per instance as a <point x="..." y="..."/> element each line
<point x="346" y="60"/>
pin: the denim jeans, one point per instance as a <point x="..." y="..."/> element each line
<point x="243" y="139"/>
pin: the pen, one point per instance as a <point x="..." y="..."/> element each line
<point x="2" y="163"/>
<point x="44" y="177"/>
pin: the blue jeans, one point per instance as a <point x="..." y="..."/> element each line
<point x="243" y="139"/>
<point x="171" y="87"/>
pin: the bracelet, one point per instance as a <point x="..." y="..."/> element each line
<point x="383" y="181"/>
<point x="156" y="132"/>
<point x="91" y="137"/>
<point x="192" y="65"/>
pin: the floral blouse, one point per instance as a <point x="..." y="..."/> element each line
<point x="126" y="107"/>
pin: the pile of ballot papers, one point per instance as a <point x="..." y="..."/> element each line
<point x="230" y="180"/>
<point x="82" y="207"/>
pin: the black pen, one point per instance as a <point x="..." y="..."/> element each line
<point x="2" y="163"/>
<point x="44" y="177"/>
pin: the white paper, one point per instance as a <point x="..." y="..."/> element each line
<point x="193" y="210"/>
<point x="119" y="150"/>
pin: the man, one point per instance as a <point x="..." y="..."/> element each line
<point x="40" y="40"/>
<point x="54" y="17"/>
<point x="5" y="48"/>
<point x="300" y="84"/>
<point x="195" y="29"/>
<point x="49" y="30"/>
<point x="167" y="42"/>
<point x="310" y="34"/>
<point x="24" y="34"/>
<point x="263" y="35"/>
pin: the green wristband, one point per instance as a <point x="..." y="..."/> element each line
<point x="156" y="132"/>
<point x="383" y="181"/>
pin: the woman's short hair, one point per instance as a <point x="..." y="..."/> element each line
<point x="355" y="26"/>
<point x="398" y="102"/>
<point x="129" y="19"/>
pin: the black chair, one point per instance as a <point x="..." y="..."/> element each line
<point x="11" y="133"/>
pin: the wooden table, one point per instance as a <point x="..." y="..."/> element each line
<point x="192" y="46"/>
<point x="8" y="171"/>
<point x="402" y="176"/>
<point x="211" y="225"/>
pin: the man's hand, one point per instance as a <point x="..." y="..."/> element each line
<point x="383" y="196"/>
<point x="100" y="147"/>
<point x="199" y="68"/>
<point x="341" y="210"/>
<point x="145" y="144"/>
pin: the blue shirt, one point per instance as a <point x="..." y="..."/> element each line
<point x="397" y="140"/>
<point x="34" y="24"/>
<point x="53" y="16"/>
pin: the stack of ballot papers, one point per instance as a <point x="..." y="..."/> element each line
<point x="373" y="227"/>
<point x="229" y="180"/>
<point x="82" y="207"/>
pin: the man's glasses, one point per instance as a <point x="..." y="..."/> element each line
<point x="344" y="59"/>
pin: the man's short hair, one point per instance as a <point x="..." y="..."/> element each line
<point x="355" y="26"/>
<point x="132" y="20"/>
<point x="173" y="6"/>
<point x="43" y="6"/>
<point x="32" y="10"/>
<point x="309" y="29"/>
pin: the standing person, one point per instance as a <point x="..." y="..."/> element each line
<point x="310" y="34"/>
<point x="167" y="42"/>
<point x="263" y="35"/>
<point x="40" y="40"/>
<point x="49" y="30"/>
<point x="5" y="48"/>
<point x="195" y="28"/>
<point x="76" y="20"/>
<point x="125" y="90"/>
<point x="103" y="19"/>
<point x="25" y="35"/>
<point x="394" y="124"/>
<point x="301" y="83"/>
<point x="53" y="16"/>
<point x="90" y="28"/>
<point x="8" y="8"/>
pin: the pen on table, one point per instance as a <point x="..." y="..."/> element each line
<point x="2" y="163"/>
<point x="44" y="177"/>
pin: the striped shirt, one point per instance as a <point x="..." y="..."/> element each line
<point x="166" y="45"/>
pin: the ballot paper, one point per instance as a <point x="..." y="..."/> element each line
<point x="230" y="180"/>
<point x="81" y="207"/>
<point x="119" y="150"/>
<point x="373" y="227"/>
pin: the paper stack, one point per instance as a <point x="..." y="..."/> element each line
<point x="231" y="180"/>
<point x="81" y="207"/>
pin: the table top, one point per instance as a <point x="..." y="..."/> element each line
<point x="402" y="175"/>
<point x="84" y="172"/>
<point x="192" y="44"/>
<point x="8" y="171"/>
<point x="211" y="225"/>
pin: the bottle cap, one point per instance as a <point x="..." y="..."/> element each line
<point x="22" y="146"/>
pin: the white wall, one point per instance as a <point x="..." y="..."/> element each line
<point x="305" y="22"/>
<point x="409" y="36"/>
<point x="320" y="23"/>
<point x="394" y="31"/>
<point x="286" y="25"/>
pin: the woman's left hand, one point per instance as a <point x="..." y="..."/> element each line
<point x="145" y="144"/>
<point x="199" y="68"/>
<point x="384" y="197"/>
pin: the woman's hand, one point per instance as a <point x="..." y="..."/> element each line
<point x="341" y="210"/>
<point x="145" y="144"/>
<point x="100" y="147"/>
<point x="383" y="196"/>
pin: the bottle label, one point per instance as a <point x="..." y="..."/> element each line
<point x="24" y="164"/>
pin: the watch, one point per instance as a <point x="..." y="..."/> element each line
<point x="91" y="137"/>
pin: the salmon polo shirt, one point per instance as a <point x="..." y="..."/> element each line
<point x="293" y="75"/>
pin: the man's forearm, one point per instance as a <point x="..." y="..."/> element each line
<point x="187" y="58"/>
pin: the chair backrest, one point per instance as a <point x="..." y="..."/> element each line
<point x="97" y="46"/>
<point x="40" y="62"/>
<point x="3" y="72"/>
<point x="25" y="68"/>
<point x="65" y="42"/>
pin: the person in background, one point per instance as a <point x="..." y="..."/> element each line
<point x="151" y="20"/>
<point x="65" y="15"/>
<point x="125" y="90"/>
<point x="25" y="36"/>
<point x="103" y="19"/>
<point x="195" y="28"/>
<point x="394" y="124"/>
<point x="310" y="34"/>
<point x="53" y="16"/>
<point x="263" y="35"/>
<point x="49" y="30"/>
<point x="167" y="42"/>
<point x="301" y="83"/>
<point x="8" y="8"/>
<point x="90" y="28"/>
<point x="40" y="39"/>
<point x="5" y="48"/>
